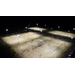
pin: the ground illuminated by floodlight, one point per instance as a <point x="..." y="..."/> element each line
<point x="36" y="28"/>
<point x="14" y="39"/>
<point x="35" y="45"/>
<point x="62" y="33"/>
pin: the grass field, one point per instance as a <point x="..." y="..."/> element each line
<point x="35" y="45"/>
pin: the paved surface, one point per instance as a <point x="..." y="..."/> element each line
<point x="34" y="45"/>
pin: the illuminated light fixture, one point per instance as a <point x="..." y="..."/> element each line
<point x="69" y="55"/>
<point x="26" y="27"/>
<point x="18" y="35"/>
<point x="73" y="28"/>
<point x="71" y="37"/>
<point x="68" y="31"/>
<point x="45" y="25"/>
<point x="51" y="28"/>
<point x="6" y="29"/>
<point x="58" y="26"/>
<point x="37" y="24"/>
<point x="40" y="30"/>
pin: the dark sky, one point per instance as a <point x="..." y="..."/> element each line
<point x="20" y="22"/>
<point x="49" y="20"/>
<point x="37" y="17"/>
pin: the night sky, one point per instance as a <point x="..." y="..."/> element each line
<point x="37" y="18"/>
<point x="19" y="22"/>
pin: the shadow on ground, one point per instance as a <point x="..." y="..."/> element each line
<point x="6" y="52"/>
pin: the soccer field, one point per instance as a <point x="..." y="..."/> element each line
<point x="35" y="45"/>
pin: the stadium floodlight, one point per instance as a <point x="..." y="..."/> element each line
<point x="68" y="31"/>
<point x="18" y="35"/>
<point x="6" y="29"/>
<point x="69" y="54"/>
<point x="58" y="26"/>
<point x="40" y="30"/>
<point x="45" y="24"/>
<point x="37" y="24"/>
<point x="26" y="27"/>
<point x="73" y="28"/>
<point x="71" y="37"/>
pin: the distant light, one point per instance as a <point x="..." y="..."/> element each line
<point x="40" y="30"/>
<point x="37" y="24"/>
<point x="45" y="25"/>
<point x="51" y="28"/>
<point x="6" y="29"/>
<point x="71" y="37"/>
<point x="69" y="55"/>
<point x="68" y="31"/>
<point x="73" y="28"/>
<point x="58" y="26"/>
<point x="18" y="35"/>
<point x="26" y="27"/>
